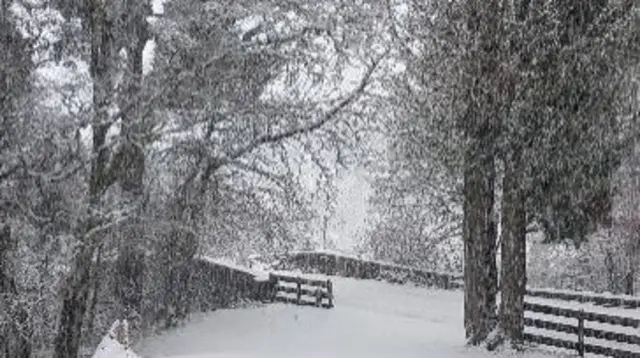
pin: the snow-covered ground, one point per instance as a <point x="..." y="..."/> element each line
<point x="110" y="347"/>
<point x="371" y="319"/>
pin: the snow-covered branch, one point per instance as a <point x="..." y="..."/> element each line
<point x="317" y="124"/>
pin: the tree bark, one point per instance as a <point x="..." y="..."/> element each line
<point x="74" y="305"/>
<point x="629" y="277"/>
<point x="491" y="249"/>
<point x="478" y="205"/>
<point x="131" y="260"/>
<point x="628" y="282"/>
<point x="95" y="292"/>
<point x="16" y="343"/>
<point x="513" y="250"/>
<point x="77" y="289"/>
<point x="632" y="255"/>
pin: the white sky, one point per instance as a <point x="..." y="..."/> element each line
<point x="352" y="207"/>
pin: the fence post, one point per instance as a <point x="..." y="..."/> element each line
<point x="581" y="333"/>
<point x="330" y="292"/>
<point x="298" y="281"/>
<point x="273" y="285"/>
<point x="318" y="297"/>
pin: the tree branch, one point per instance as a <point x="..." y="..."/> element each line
<point x="328" y="117"/>
<point x="274" y="178"/>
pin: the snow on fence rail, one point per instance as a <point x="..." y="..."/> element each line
<point x="215" y="280"/>
<point x="595" y="298"/>
<point x="317" y="290"/>
<point x="331" y="263"/>
<point x="581" y="316"/>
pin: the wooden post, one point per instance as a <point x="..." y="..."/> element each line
<point x="273" y="286"/>
<point x="299" y="284"/>
<point x="581" y="334"/>
<point x="330" y="292"/>
<point x="318" y="297"/>
<point x="445" y="282"/>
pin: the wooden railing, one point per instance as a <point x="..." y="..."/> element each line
<point x="307" y="292"/>
<point x="401" y="274"/>
<point x="330" y="263"/>
<point x="595" y="298"/>
<point x="581" y="331"/>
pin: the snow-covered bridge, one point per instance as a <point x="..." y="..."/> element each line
<point x="370" y="319"/>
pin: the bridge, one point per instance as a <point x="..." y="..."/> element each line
<point x="370" y="319"/>
<point x="380" y="310"/>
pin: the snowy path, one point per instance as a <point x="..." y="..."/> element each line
<point x="371" y="319"/>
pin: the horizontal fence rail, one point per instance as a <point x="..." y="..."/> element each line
<point x="318" y="291"/>
<point x="581" y="331"/>
<point x="585" y="297"/>
<point x="331" y="264"/>
<point x="589" y="316"/>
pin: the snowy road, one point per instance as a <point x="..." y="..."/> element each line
<point x="371" y="319"/>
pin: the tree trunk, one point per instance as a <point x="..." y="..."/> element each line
<point x="77" y="289"/>
<point x="491" y="273"/>
<point x="513" y="251"/>
<point x="95" y="292"/>
<point x="632" y="259"/>
<point x="131" y="261"/>
<point x="130" y="269"/>
<point x="628" y="282"/>
<point x="19" y="331"/>
<point x="74" y="306"/>
<point x="629" y="277"/>
<point x="479" y="241"/>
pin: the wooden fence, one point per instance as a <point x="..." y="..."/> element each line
<point x="307" y="292"/>
<point x="581" y="331"/>
<point x="330" y="263"/>
<point x="217" y="284"/>
<point x="586" y="297"/>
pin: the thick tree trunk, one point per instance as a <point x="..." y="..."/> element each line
<point x="479" y="131"/>
<point x="74" y="306"/>
<point x="131" y="263"/>
<point x="95" y="292"/>
<point x="513" y="251"/>
<point x="130" y="269"/>
<point x="76" y="299"/>
<point x="77" y="290"/>
<point x="479" y="241"/>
